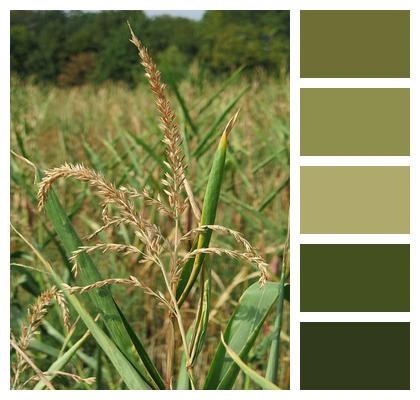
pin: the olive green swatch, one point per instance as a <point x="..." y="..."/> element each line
<point x="355" y="122"/>
<point x="355" y="356"/>
<point x="355" y="200"/>
<point x="355" y="44"/>
<point x="355" y="277"/>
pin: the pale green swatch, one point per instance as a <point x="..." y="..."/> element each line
<point x="355" y="200"/>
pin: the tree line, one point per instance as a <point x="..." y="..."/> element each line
<point x="75" y="47"/>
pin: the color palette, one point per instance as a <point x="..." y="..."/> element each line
<point x="355" y="193"/>
<point x="355" y="122"/>
<point x="355" y="277"/>
<point x="355" y="44"/>
<point x="355" y="200"/>
<point x="355" y="355"/>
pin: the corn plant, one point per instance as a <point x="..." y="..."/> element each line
<point x="180" y="256"/>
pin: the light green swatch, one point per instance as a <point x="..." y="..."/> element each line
<point x="355" y="200"/>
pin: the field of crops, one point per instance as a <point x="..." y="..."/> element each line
<point x="115" y="130"/>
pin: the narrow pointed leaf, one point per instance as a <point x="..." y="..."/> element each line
<point x="273" y="194"/>
<point x="61" y="361"/>
<point x="184" y="108"/>
<point x="53" y="352"/>
<point x="248" y="371"/>
<point x="222" y="87"/>
<point x="208" y="138"/>
<point x="150" y="150"/>
<point x="208" y="215"/>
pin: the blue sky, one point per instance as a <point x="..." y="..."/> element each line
<point x="192" y="14"/>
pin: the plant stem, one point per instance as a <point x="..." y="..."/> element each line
<point x="170" y="335"/>
<point x="170" y="343"/>
<point x="40" y="374"/>
<point x="179" y="321"/>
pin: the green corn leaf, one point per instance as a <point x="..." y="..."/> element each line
<point x="137" y="166"/>
<point x="124" y="367"/>
<point x="99" y="370"/>
<point x="241" y="333"/>
<point x="208" y="215"/>
<point x="186" y="272"/>
<point x="42" y="347"/>
<point x="61" y="361"/>
<point x="93" y="157"/>
<point x="221" y="89"/>
<point x="287" y="291"/>
<point x="28" y="282"/>
<point x="201" y="147"/>
<point x="266" y="161"/>
<point x="131" y="377"/>
<point x="247" y="211"/>
<point x="239" y="170"/>
<point x="248" y="371"/>
<point x="17" y="177"/>
<point x="274" y="356"/>
<point x="150" y="150"/>
<point x="184" y="108"/>
<point x="101" y="298"/>
<point x="203" y="313"/>
<point x="151" y="369"/>
<point x="273" y="194"/>
<point x="20" y="143"/>
<point x="183" y="380"/>
<point x="53" y="352"/>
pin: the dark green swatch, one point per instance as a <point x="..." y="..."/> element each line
<point x="355" y="355"/>
<point x="355" y="122"/>
<point x="355" y="277"/>
<point x="355" y="44"/>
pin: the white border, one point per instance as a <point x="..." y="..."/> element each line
<point x="5" y="199"/>
<point x="354" y="317"/>
<point x="326" y="83"/>
<point x="412" y="238"/>
<point x="401" y="161"/>
<point x="296" y="161"/>
<point x="294" y="200"/>
<point x="365" y="238"/>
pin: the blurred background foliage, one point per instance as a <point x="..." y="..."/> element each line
<point x="71" y="48"/>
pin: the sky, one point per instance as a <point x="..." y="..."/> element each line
<point x="191" y="14"/>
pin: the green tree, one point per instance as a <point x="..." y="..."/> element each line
<point x="76" y="47"/>
<point x="252" y="38"/>
<point x="173" y="64"/>
<point x="117" y="60"/>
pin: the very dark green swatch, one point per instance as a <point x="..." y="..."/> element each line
<point x="355" y="122"/>
<point x="355" y="355"/>
<point x="355" y="44"/>
<point x="354" y="277"/>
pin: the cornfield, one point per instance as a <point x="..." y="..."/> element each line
<point x="149" y="244"/>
